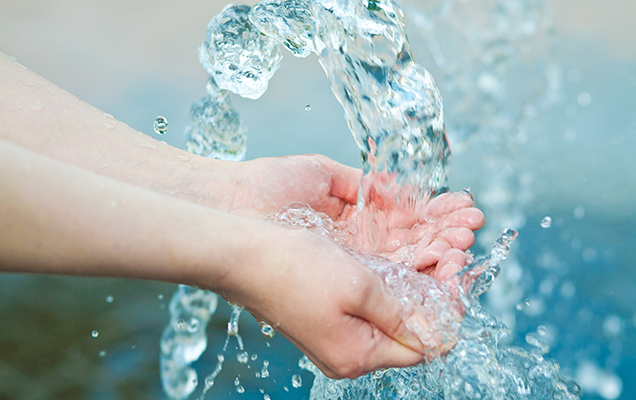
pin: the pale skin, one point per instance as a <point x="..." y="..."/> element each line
<point x="84" y="194"/>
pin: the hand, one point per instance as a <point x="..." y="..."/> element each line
<point x="433" y="238"/>
<point x="336" y="311"/>
<point x="264" y="185"/>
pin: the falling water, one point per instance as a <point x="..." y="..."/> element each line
<point x="394" y="110"/>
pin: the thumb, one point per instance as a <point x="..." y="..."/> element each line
<point x="425" y="319"/>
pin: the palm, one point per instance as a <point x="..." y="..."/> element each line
<point x="433" y="238"/>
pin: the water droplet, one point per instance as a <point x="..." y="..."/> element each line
<point x="546" y="222"/>
<point x="266" y="329"/>
<point x="527" y="301"/>
<point x="285" y="388"/>
<point x="542" y="330"/>
<point x="104" y="165"/>
<point x="161" y="125"/>
<point x="193" y="325"/>
<point x="94" y="334"/>
<point x="519" y="306"/>
<point x="240" y="389"/>
<point x="102" y="353"/>
<point x="584" y="99"/>
<point x="109" y="116"/>
<point x="266" y="397"/>
<point x="16" y="107"/>
<point x="109" y="299"/>
<point x="180" y="324"/>
<point x="160" y="297"/>
<point x="37" y="107"/>
<point x="242" y="357"/>
<point x="254" y="357"/>
<point x="264" y="371"/>
<point x="307" y="107"/>
<point x="579" y="212"/>
<point x="237" y="381"/>
<point x="257" y="374"/>
<point x="297" y="381"/>
<point x="109" y="125"/>
<point x="183" y="157"/>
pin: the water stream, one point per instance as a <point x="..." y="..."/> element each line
<point x="395" y="113"/>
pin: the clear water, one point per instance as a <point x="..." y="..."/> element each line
<point x="394" y="110"/>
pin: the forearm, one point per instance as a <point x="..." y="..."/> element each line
<point x="38" y="115"/>
<point x="60" y="219"/>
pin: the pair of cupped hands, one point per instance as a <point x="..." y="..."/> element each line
<point x="335" y="310"/>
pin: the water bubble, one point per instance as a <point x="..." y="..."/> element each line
<point x="240" y="389"/>
<point x="180" y="324"/>
<point x="254" y="357"/>
<point x="257" y="374"/>
<point x="237" y="381"/>
<point x="109" y="299"/>
<point x="527" y="301"/>
<point x="160" y="125"/>
<point x="266" y="329"/>
<point x="193" y="325"/>
<point x="579" y="212"/>
<point x="160" y="297"/>
<point x="94" y="334"/>
<point x="307" y="107"/>
<point x="542" y="330"/>
<point x="584" y="99"/>
<point x="102" y="353"/>
<point x="296" y="381"/>
<point x="266" y="397"/>
<point x="519" y="306"/>
<point x="242" y="357"/>
<point x="612" y="326"/>
<point x="546" y="222"/>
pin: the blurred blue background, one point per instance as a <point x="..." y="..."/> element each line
<point x="540" y="105"/>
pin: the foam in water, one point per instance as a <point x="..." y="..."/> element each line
<point x="395" y="113"/>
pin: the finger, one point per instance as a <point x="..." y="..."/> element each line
<point x="458" y="238"/>
<point x="428" y="255"/>
<point x="470" y="217"/>
<point x="344" y="181"/>
<point x="374" y="304"/>
<point x="446" y="204"/>
<point x="451" y="263"/>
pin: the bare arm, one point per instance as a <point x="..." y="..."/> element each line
<point x="60" y="219"/>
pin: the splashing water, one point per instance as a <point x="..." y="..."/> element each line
<point x="181" y="345"/>
<point x="395" y="113"/>
<point x="477" y="367"/>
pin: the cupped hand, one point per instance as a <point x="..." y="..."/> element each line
<point x="336" y="311"/>
<point x="431" y="235"/>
